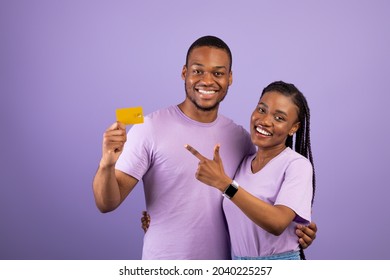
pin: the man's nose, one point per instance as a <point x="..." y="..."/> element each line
<point x="208" y="78"/>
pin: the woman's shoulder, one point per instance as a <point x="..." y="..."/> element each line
<point x="296" y="158"/>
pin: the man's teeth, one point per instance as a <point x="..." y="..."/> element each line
<point x="206" y="91"/>
<point x="262" y="131"/>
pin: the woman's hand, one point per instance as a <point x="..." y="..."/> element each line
<point x="211" y="172"/>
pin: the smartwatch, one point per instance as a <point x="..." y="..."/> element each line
<point x="231" y="190"/>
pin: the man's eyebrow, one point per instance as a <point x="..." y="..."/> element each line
<point x="197" y="64"/>
<point x="201" y="65"/>
<point x="262" y="103"/>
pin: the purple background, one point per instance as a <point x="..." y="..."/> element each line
<point x="65" y="66"/>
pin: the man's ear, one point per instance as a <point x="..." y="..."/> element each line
<point x="184" y="72"/>
<point x="230" y="78"/>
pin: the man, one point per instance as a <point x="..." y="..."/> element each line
<point x="187" y="218"/>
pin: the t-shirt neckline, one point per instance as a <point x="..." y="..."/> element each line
<point x="188" y="119"/>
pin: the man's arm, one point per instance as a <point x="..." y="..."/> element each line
<point x="110" y="186"/>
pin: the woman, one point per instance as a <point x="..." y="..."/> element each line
<point x="274" y="188"/>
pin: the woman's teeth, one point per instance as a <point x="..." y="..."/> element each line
<point x="262" y="131"/>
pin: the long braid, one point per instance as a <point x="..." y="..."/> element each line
<point x="300" y="141"/>
<point x="302" y="136"/>
<point x="303" y="142"/>
<point x="303" y="145"/>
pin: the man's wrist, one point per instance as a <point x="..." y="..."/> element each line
<point x="104" y="165"/>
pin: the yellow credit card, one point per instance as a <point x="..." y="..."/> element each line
<point x="130" y="115"/>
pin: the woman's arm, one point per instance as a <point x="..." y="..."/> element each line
<point x="272" y="218"/>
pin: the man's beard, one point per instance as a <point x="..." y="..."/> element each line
<point x="204" y="109"/>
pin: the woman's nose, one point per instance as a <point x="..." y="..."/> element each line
<point x="266" y="120"/>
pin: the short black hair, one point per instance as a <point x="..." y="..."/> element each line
<point x="213" y="42"/>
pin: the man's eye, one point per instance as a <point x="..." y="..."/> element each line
<point x="196" y="72"/>
<point x="218" y="74"/>
<point x="261" y="110"/>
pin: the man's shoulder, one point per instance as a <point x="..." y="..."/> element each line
<point x="161" y="111"/>
<point x="227" y="120"/>
<point x="160" y="115"/>
<point x="231" y="123"/>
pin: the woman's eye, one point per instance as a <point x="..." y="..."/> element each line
<point x="278" y="118"/>
<point x="261" y="110"/>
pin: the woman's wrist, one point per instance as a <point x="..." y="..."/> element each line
<point x="224" y="183"/>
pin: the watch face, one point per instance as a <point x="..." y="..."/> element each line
<point x="230" y="191"/>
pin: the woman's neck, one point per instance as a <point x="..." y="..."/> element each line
<point x="263" y="156"/>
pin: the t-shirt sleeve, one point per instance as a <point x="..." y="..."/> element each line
<point x="251" y="148"/>
<point x="135" y="159"/>
<point x="297" y="189"/>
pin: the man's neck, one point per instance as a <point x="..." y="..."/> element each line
<point x="196" y="114"/>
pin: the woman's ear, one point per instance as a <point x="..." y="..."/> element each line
<point x="294" y="128"/>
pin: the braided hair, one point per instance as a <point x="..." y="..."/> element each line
<point x="302" y="138"/>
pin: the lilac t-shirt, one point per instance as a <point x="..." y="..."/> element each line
<point x="285" y="180"/>
<point x="187" y="220"/>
